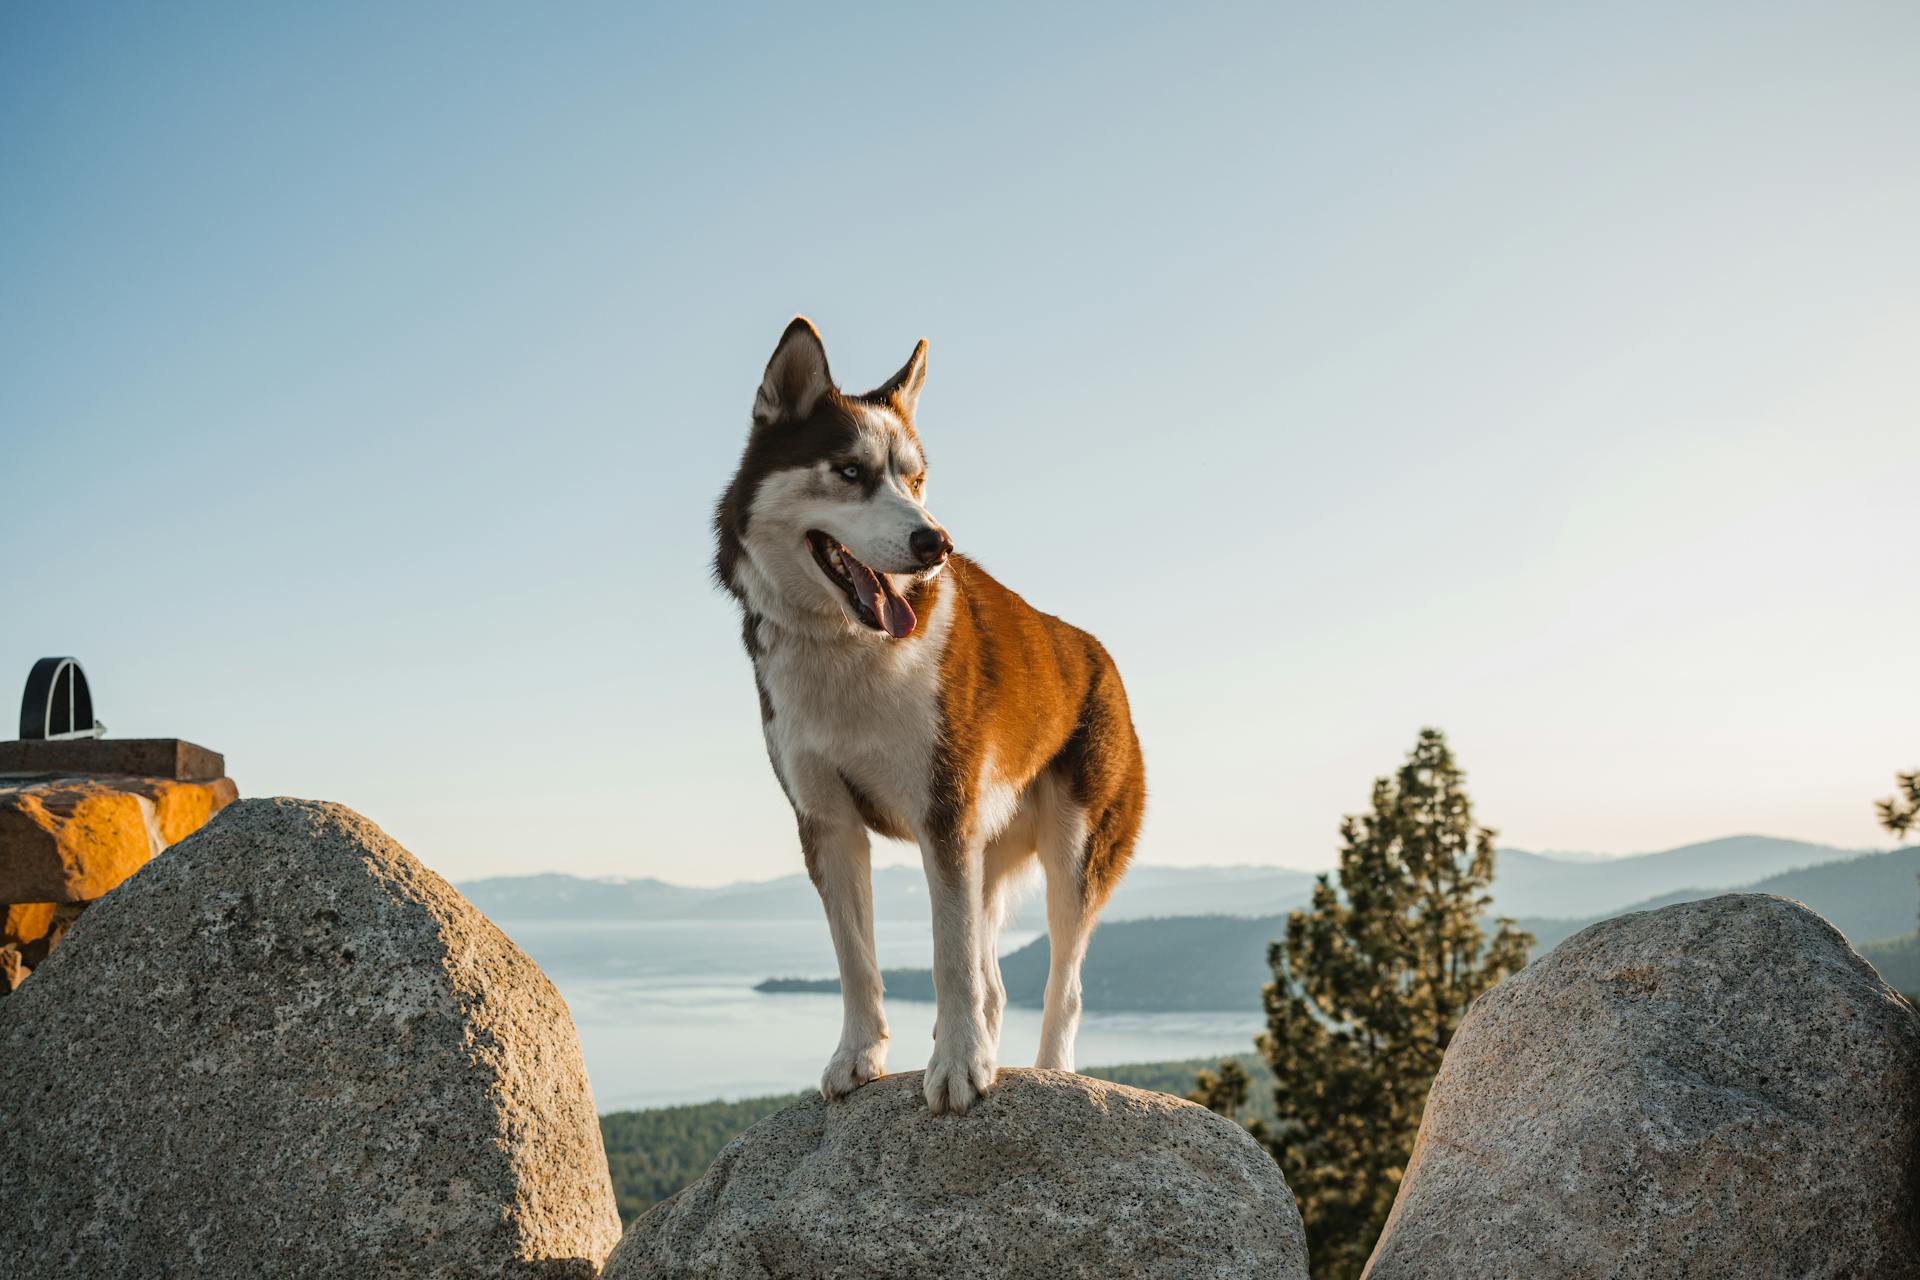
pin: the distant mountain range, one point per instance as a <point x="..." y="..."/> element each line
<point x="1868" y="898"/>
<point x="899" y="893"/>
<point x="1211" y="962"/>
<point x="1559" y="886"/>
<point x="1531" y="884"/>
<point x="1195" y="938"/>
<point x="1186" y="963"/>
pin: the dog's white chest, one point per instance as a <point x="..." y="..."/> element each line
<point x="869" y="710"/>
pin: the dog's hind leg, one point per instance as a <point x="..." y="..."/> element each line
<point x="839" y="861"/>
<point x="1098" y="789"/>
<point x="1008" y="856"/>
<point x="1070" y="921"/>
<point x="1069" y="926"/>
<point x="993" y="988"/>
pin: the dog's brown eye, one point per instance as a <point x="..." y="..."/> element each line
<point x="850" y="472"/>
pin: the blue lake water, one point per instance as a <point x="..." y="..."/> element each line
<point x="667" y="1011"/>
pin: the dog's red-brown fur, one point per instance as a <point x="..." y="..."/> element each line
<point x="1028" y="692"/>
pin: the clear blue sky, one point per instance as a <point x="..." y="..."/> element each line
<point x="1547" y="373"/>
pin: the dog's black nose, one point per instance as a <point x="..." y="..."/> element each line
<point x="930" y="546"/>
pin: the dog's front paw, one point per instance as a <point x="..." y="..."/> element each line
<point x="852" y="1067"/>
<point x="956" y="1078"/>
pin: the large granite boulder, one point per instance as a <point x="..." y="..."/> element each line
<point x="286" y="1048"/>
<point x="1051" y="1176"/>
<point x="1715" y="1089"/>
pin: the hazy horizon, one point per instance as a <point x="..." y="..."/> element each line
<point x="904" y="858"/>
<point x="367" y="376"/>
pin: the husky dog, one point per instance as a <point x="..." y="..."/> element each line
<point x="906" y="692"/>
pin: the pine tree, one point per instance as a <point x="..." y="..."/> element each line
<point x="1900" y="813"/>
<point x="1369" y="985"/>
<point x="1224" y="1091"/>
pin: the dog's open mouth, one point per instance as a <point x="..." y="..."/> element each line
<point x="873" y="598"/>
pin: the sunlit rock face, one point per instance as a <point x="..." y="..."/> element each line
<point x="73" y="839"/>
<point x="286" y="1048"/>
<point x="1715" y="1089"/>
<point x="66" y="841"/>
<point x="1052" y="1175"/>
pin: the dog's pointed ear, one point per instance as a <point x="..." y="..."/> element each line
<point x="902" y="390"/>
<point x="797" y="375"/>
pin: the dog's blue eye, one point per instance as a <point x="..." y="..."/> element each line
<point x="850" y="472"/>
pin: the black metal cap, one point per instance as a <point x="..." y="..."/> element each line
<point x="57" y="702"/>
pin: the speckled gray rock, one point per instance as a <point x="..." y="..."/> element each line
<point x="1052" y="1176"/>
<point x="285" y="1048"/>
<point x="1715" y="1089"/>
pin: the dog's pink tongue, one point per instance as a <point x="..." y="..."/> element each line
<point x="895" y="614"/>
